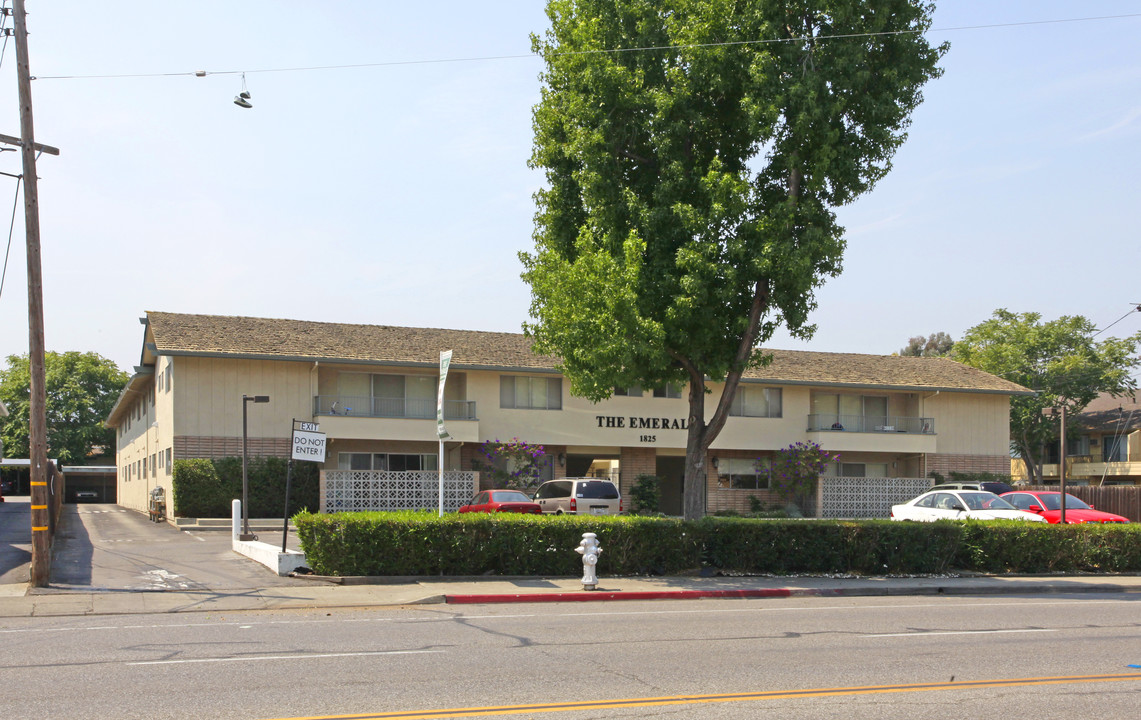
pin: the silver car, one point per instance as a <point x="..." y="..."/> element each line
<point x="579" y="496"/>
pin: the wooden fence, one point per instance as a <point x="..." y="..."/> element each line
<point x="1123" y="500"/>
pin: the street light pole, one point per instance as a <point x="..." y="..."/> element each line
<point x="246" y="400"/>
<point x="1062" y="468"/>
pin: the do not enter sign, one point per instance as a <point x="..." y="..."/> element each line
<point x="308" y="446"/>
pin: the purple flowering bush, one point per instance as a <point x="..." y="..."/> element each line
<point x="795" y="471"/>
<point x="513" y="464"/>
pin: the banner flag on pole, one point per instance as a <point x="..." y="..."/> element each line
<point x="445" y="361"/>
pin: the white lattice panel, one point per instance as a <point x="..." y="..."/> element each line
<point x="362" y="490"/>
<point x="849" y="497"/>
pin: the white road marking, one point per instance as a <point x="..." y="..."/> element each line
<point x="283" y="657"/>
<point x="922" y="633"/>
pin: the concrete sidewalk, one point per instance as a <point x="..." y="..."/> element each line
<point x="377" y="592"/>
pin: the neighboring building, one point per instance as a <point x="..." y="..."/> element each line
<point x="1103" y="445"/>
<point x="373" y="390"/>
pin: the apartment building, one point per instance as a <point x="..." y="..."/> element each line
<point x="373" y="391"/>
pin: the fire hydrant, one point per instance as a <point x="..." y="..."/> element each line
<point x="590" y="550"/>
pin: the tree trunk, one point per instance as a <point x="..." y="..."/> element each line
<point x="702" y="435"/>
<point x="695" y="494"/>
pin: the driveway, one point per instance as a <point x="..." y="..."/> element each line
<point x="101" y="547"/>
<point x="15" y="540"/>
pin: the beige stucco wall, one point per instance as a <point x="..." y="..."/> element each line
<point x="970" y="423"/>
<point x="208" y="394"/>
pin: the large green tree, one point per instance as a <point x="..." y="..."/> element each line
<point x="1060" y="360"/>
<point x="81" y="390"/>
<point x="694" y="153"/>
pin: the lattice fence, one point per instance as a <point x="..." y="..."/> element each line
<point x="854" y="497"/>
<point x="361" y="490"/>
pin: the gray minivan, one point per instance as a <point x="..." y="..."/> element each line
<point x="579" y="496"/>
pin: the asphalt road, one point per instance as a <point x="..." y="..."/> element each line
<point x="793" y="658"/>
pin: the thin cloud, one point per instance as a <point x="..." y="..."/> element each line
<point x="1122" y="123"/>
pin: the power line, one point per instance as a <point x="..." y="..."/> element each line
<point x="11" y="227"/>
<point x="489" y="58"/>
<point x="1136" y="308"/>
<point x="5" y="13"/>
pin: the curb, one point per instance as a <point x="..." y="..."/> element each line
<point x="596" y="595"/>
<point x="589" y="595"/>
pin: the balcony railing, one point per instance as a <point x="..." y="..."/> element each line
<point x="824" y="422"/>
<point x="391" y="407"/>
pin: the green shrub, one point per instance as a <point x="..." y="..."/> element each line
<point x="422" y="543"/>
<point x="646" y="495"/>
<point x="206" y="488"/>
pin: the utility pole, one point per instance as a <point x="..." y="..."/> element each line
<point x="37" y="401"/>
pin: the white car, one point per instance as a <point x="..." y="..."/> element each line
<point x="960" y="505"/>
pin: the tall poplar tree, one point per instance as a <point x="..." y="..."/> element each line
<point x="694" y="153"/>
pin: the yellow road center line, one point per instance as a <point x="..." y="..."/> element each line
<point x="728" y="697"/>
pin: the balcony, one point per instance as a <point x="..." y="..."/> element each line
<point x="374" y="407"/>
<point x="871" y="424"/>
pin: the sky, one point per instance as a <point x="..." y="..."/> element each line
<point x="398" y="193"/>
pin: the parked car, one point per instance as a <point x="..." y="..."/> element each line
<point x="1049" y="505"/>
<point x="995" y="486"/>
<point x="960" y="505"/>
<point x="497" y="501"/>
<point x="86" y="496"/>
<point x="579" y="496"/>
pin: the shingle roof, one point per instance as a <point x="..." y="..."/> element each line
<point x="212" y="335"/>
<point x="1111" y="414"/>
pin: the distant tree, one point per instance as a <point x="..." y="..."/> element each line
<point x="81" y="390"/>
<point x="934" y="345"/>
<point x="694" y="152"/>
<point x="1060" y="360"/>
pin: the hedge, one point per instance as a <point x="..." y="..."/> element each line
<point x="206" y="488"/>
<point x="424" y="544"/>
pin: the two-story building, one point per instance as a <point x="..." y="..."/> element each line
<point x="1103" y="445"/>
<point x="373" y="390"/>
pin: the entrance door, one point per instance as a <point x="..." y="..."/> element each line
<point x="671" y="481"/>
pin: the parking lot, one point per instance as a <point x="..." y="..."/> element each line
<point x="105" y="547"/>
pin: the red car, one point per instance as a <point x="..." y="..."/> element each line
<point x="1049" y="506"/>
<point x="490" y="501"/>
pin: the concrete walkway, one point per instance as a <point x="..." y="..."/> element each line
<point x="107" y="559"/>
<point x="354" y="592"/>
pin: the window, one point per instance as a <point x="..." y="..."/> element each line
<point x="857" y="470"/>
<point x="386" y="461"/>
<point x="856" y="413"/>
<point x="169" y="455"/>
<point x="1113" y="449"/>
<point x="756" y="402"/>
<point x="743" y="473"/>
<point x="669" y="391"/>
<point x="632" y="391"/>
<point x="169" y="374"/>
<point x="401" y="396"/>
<point x="530" y="393"/>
